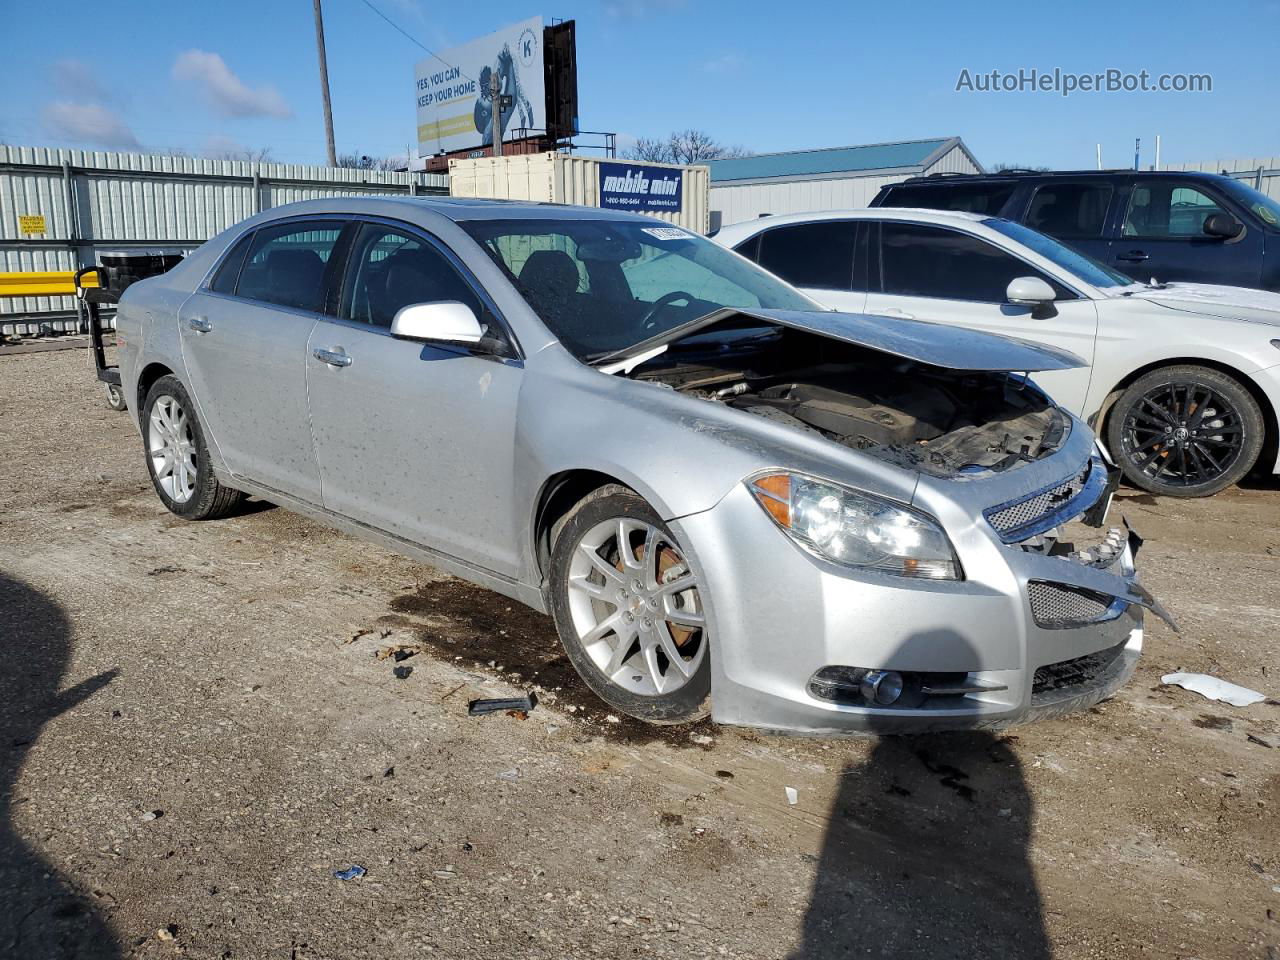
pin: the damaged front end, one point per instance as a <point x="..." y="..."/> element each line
<point x="940" y="400"/>
<point x="1040" y="612"/>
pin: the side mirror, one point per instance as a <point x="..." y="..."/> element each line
<point x="1029" y="292"/>
<point x="445" y="322"/>
<point x="1223" y="225"/>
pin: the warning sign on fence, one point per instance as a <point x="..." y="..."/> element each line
<point x="29" y="225"/>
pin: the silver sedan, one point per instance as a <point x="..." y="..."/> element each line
<point x="731" y="500"/>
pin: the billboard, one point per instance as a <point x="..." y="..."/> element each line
<point x="452" y="90"/>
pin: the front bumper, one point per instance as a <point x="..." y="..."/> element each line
<point x="780" y="614"/>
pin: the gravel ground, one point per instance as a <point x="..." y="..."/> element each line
<point x="196" y="732"/>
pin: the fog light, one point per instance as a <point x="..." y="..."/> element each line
<point x="881" y="687"/>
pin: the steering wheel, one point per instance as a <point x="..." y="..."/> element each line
<point x="664" y="301"/>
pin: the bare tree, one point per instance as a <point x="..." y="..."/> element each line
<point x="252" y="155"/>
<point x="360" y="161"/>
<point x="683" y="146"/>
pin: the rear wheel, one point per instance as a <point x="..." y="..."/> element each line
<point x="178" y="458"/>
<point x="629" y="609"/>
<point x="1185" y="431"/>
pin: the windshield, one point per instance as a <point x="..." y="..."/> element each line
<point x="1073" y="261"/>
<point x="1265" y="208"/>
<point x="602" y="286"/>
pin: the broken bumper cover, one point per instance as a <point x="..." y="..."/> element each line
<point x="1025" y="635"/>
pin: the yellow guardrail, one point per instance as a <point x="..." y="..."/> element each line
<point x="51" y="283"/>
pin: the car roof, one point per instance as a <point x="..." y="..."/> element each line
<point x="941" y="179"/>
<point x="956" y="217"/>
<point x="453" y="208"/>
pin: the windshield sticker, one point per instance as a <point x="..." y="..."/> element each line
<point x="665" y="233"/>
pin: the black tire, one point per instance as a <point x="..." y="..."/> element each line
<point x="687" y="703"/>
<point x="115" y="397"/>
<point x="1160" y="435"/>
<point x="209" y="500"/>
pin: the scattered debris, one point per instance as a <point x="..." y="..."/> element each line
<point x="1258" y="740"/>
<point x="165" y="569"/>
<point x="724" y="774"/>
<point x="167" y="933"/>
<point x="353" y="872"/>
<point x="503" y="704"/>
<point x="1213" y="688"/>
<point x="793" y="795"/>
<point x="389" y="772"/>
<point x="402" y="673"/>
<point x="671" y="820"/>
<point x="447" y="873"/>
<point x="612" y="718"/>
<point x="698" y="831"/>
<point x="1209" y="722"/>
<point x="510" y="775"/>
<point x="152" y="815"/>
<point x="398" y="652"/>
<point x="702" y="740"/>
<point x="357" y="635"/>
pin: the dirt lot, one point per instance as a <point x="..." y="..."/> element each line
<point x="192" y="742"/>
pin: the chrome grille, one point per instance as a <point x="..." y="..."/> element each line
<point x="1056" y="605"/>
<point x="1014" y="516"/>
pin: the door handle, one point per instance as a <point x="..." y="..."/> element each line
<point x="332" y="357"/>
<point x="1133" y="256"/>
<point x="199" y="324"/>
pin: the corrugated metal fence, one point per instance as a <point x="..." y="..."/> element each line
<point x="1261" y="173"/>
<point x="93" y="202"/>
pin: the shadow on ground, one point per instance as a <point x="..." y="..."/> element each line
<point x="41" y="916"/>
<point x="926" y="855"/>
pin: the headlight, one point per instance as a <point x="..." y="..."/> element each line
<point x="856" y="529"/>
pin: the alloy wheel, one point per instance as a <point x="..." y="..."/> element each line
<point x="172" y="449"/>
<point x="634" y="604"/>
<point x="1183" y="434"/>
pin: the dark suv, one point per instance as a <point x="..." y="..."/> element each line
<point x="1199" y="227"/>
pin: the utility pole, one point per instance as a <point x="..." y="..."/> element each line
<point x="495" y="103"/>
<point x="324" y="85"/>
<point x="1137" y="145"/>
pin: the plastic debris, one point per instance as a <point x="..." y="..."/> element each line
<point x="152" y="815"/>
<point x="397" y="651"/>
<point x="1212" y="688"/>
<point x="510" y="775"/>
<point x="353" y="872"/>
<point x="498" y="705"/>
<point x="402" y="673"/>
<point x="793" y="795"/>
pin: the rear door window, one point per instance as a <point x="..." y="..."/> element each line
<point x="924" y="261"/>
<point x="1166" y="208"/>
<point x="1070" y="211"/>
<point x="988" y="198"/>
<point x="286" y="264"/>
<point x="811" y="254"/>
<point x="224" y="281"/>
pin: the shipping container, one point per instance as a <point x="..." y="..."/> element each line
<point x="671" y="192"/>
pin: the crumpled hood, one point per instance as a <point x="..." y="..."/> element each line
<point x="937" y="344"/>
<point x="1216" y="300"/>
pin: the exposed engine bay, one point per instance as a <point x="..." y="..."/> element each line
<point x="942" y="422"/>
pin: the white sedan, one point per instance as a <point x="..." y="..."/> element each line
<point x="1183" y="380"/>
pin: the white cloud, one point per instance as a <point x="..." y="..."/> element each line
<point x="226" y="92"/>
<point x="726" y="63"/>
<point x="88" y="122"/>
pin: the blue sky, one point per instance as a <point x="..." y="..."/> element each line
<point x="209" y="77"/>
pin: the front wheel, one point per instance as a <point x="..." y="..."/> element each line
<point x="177" y="456"/>
<point x="1185" y="431"/>
<point x="630" y="610"/>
